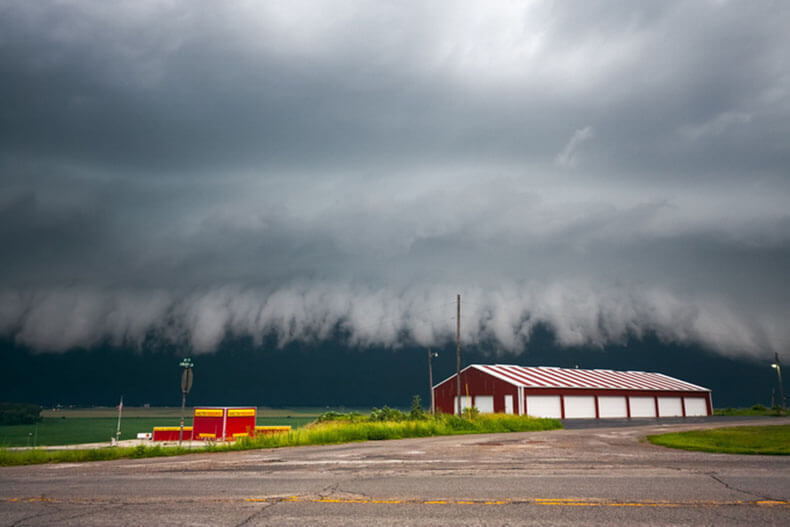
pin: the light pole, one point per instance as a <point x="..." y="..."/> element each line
<point x="186" y="385"/>
<point x="431" y="356"/>
<point x="458" y="356"/>
<point x="778" y="367"/>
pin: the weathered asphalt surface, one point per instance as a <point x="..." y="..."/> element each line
<point x="602" y="475"/>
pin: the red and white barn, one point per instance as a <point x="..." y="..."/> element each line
<point x="572" y="393"/>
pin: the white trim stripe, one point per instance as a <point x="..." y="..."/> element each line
<point x="499" y="373"/>
<point x="530" y="377"/>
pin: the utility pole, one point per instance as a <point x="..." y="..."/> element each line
<point x="431" y="355"/>
<point x="458" y="356"/>
<point x="778" y="367"/>
<point x="118" y="430"/>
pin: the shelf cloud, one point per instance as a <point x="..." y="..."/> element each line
<point x="185" y="171"/>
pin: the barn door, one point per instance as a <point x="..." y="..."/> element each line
<point x="508" y="404"/>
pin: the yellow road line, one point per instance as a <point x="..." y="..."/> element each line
<point x="545" y="502"/>
<point x="550" y="502"/>
<point x="648" y="504"/>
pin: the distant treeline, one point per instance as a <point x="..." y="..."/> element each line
<point x="19" y="413"/>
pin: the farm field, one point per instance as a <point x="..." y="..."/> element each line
<point x="95" y="425"/>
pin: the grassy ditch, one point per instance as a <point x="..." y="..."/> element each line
<point x="765" y="440"/>
<point x="35" y="456"/>
<point x="338" y="428"/>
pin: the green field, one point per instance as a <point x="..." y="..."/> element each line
<point x="95" y="425"/>
<point x="766" y="440"/>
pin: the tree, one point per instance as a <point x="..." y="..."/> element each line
<point x="416" y="408"/>
<point x="19" y="414"/>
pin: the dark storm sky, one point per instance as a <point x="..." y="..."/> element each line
<point x="191" y="170"/>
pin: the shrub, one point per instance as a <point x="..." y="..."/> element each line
<point x="455" y="423"/>
<point x="339" y="416"/>
<point x="387" y="414"/>
<point x="470" y="412"/>
<point x="330" y="416"/>
<point x="416" y="409"/>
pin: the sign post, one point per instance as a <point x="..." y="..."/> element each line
<point x="186" y="384"/>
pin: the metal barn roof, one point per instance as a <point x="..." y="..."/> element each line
<point x="548" y="377"/>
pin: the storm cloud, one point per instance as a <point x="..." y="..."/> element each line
<point x="190" y="170"/>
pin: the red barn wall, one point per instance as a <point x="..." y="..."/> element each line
<point x="477" y="383"/>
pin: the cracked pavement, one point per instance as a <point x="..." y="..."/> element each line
<point x="594" y="475"/>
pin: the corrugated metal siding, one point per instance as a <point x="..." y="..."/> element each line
<point x="548" y="377"/>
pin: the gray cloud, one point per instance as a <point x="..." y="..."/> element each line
<point x="568" y="158"/>
<point x="188" y="169"/>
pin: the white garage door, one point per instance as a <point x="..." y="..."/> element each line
<point x="579" y="406"/>
<point x="612" y="406"/>
<point x="670" y="407"/>
<point x="508" y="404"/>
<point x="544" y="406"/>
<point x="696" y="406"/>
<point x="642" y="406"/>
<point x="485" y="403"/>
<point x="465" y="403"/>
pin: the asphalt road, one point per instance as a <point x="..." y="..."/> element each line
<point x="603" y="475"/>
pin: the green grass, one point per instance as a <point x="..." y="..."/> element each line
<point x="328" y="432"/>
<point x="36" y="456"/>
<point x="766" y="440"/>
<point x="755" y="410"/>
<point x="54" y="431"/>
<point x="332" y="432"/>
